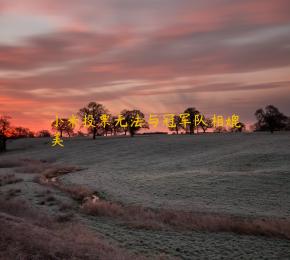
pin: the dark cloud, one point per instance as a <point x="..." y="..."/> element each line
<point x="54" y="48"/>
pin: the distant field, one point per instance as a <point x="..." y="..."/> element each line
<point x="238" y="174"/>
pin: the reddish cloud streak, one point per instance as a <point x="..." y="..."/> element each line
<point x="193" y="53"/>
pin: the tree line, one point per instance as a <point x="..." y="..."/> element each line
<point x="125" y="124"/>
<point x="268" y="119"/>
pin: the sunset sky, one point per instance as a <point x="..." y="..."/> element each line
<point x="160" y="56"/>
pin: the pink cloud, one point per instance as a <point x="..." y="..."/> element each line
<point x="98" y="44"/>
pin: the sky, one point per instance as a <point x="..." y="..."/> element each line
<point x="159" y="56"/>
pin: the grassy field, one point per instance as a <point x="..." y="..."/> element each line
<point x="204" y="196"/>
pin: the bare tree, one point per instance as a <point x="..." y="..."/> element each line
<point x="177" y="124"/>
<point x="240" y="127"/>
<point x="108" y="126"/>
<point x="208" y="123"/>
<point x="62" y="125"/>
<point x="220" y="129"/>
<point x="43" y="133"/>
<point x="270" y="119"/>
<point x="287" y="127"/>
<point x="21" y="132"/>
<point x="5" y="127"/>
<point x="135" y="120"/>
<point x="115" y="127"/>
<point x="192" y="113"/>
<point x="93" y="111"/>
<point x="80" y="133"/>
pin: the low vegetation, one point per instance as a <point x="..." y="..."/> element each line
<point x="146" y="218"/>
<point x="27" y="234"/>
<point x="9" y="179"/>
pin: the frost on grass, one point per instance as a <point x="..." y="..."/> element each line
<point x="238" y="184"/>
<point x="27" y="234"/>
<point x="7" y="179"/>
<point x="161" y="219"/>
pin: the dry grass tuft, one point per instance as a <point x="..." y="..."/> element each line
<point x="11" y="193"/>
<point x="24" y="236"/>
<point x="145" y="218"/>
<point x="140" y="217"/>
<point x="103" y="208"/>
<point x="9" y="179"/>
<point x="66" y="206"/>
<point x="49" y="177"/>
<point x="67" y="217"/>
<point x="31" y="167"/>
<point x="7" y="163"/>
<point x="56" y="171"/>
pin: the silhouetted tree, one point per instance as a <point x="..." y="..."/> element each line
<point x="116" y="128"/>
<point x="208" y="124"/>
<point x="270" y="119"/>
<point x="287" y="128"/>
<point x="177" y="123"/>
<point x="4" y="131"/>
<point x="43" y="133"/>
<point x="93" y="110"/>
<point x="80" y="133"/>
<point x="63" y="126"/>
<point x="192" y="113"/>
<point x="220" y="129"/>
<point x="108" y="127"/>
<point x="240" y="127"/>
<point x="21" y="132"/>
<point x="131" y="117"/>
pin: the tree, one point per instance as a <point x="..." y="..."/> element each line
<point x="208" y="124"/>
<point x="94" y="111"/>
<point x="192" y="113"/>
<point x="122" y="124"/>
<point x="220" y="129"/>
<point x="21" y="132"/>
<point x="80" y="134"/>
<point x="240" y="127"/>
<point x="270" y="119"/>
<point x="287" y="127"/>
<point x="116" y="128"/>
<point x="135" y="120"/>
<point x="43" y="133"/>
<point x="62" y="126"/>
<point x="177" y="124"/>
<point x="108" y="127"/>
<point x="5" y="128"/>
